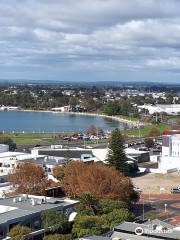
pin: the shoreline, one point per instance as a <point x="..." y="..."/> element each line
<point x="114" y="118"/>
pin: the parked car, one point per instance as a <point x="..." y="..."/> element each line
<point x="137" y="189"/>
<point x="175" y="190"/>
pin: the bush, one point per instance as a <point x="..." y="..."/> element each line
<point x="107" y="206"/>
<point x="18" y="232"/>
<point x="154" y="132"/>
<point x="116" y="217"/>
<point x="87" y="226"/>
<point x="58" y="237"/>
<point x="54" y="221"/>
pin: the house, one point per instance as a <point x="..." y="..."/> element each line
<point x="149" y="230"/>
<point x="9" y="160"/>
<point x="27" y="209"/>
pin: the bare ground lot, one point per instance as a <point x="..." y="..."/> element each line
<point x="157" y="183"/>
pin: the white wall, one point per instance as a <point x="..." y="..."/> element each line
<point x="169" y="163"/>
<point x="4" y="148"/>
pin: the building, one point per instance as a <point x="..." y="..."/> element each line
<point x="9" y="160"/>
<point x="4" y="148"/>
<point x="27" y="209"/>
<point x="9" y="108"/>
<point x="169" y="161"/>
<point x="150" y="230"/>
<point x="88" y="155"/>
<point x="61" y="109"/>
<point x="171" y="109"/>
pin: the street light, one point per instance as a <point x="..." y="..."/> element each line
<point x="143" y="209"/>
<point x="165" y="207"/>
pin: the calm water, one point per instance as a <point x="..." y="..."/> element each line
<point x="49" y="122"/>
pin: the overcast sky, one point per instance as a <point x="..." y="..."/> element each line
<point x="90" y="40"/>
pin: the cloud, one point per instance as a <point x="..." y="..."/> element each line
<point x="72" y="38"/>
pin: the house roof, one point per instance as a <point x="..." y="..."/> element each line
<point x="130" y="227"/>
<point x="11" y="209"/>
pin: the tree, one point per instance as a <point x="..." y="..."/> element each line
<point x="115" y="217"/>
<point x="149" y="143"/>
<point x="73" y="101"/>
<point x="19" y="232"/>
<point x="58" y="237"/>
<point x="29" y="178"/>
<point x="117" y="156"/>
<point x="87" y="226"/>
<point x="154" y="132"/>
<point x="88" y="204"/>
<point x="58" y="172"/>
<point x="102" y="181"/>
<point x="112" y="108"/>
<point x="54" y="221"/>
<point x="92" y="130"/>
<point x="8" y="141"/>
<point x="107" y="206"/>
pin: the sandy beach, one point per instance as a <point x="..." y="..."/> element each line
<point x="114" y="118"/>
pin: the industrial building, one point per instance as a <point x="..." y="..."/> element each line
<point x="171" y="109"/>
<point x="26" y="210"/>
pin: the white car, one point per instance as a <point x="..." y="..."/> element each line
<point x="137" y="189"/>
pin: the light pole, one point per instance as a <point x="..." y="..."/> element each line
<point x="165" y="207"/>
<point x="149" y="194"/>
<point x="143" y="209"/>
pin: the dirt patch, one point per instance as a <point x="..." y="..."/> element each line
<point x="157" y="183"/>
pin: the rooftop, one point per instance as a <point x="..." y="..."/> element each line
<point x="19" y="156"/>
<point x="24" y="205"/>
<point x="154" y="229"/>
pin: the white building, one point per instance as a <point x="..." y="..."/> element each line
<point x="4" y="148"/>
<point x="9" y="108"/>
<point x="61" y="109"/>
<point x="172" y="109"/>
<point x="9" y="160"/>
<point x="170" y="159"/>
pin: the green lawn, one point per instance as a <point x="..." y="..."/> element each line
<point x="49" y="138"/>
<point x="43" y="139"/>
<point x="147" y="128"/>
<point x="31" y="138"/>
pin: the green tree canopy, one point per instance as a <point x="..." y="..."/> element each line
<point x="116" y="217"/>
<point x="58" y="237"/>
<point x="117" y="156"/>
<point x="54" y="221"/>
<point x="88" y="204"/>
<point x="8" y="141"/>
<point x="107" y="206"/>
<point x="87" y="226"/>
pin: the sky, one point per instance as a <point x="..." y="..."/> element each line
<point x="90" y="40"/>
